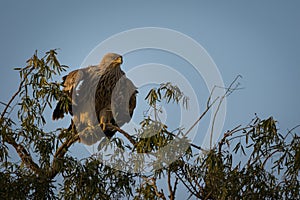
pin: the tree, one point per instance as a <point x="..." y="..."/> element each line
<point x="251" y="161"/>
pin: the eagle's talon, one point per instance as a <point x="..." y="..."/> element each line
<point x="103" y="126"/>
<point x="102" y="123"/>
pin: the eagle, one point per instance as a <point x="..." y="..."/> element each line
<point x="97" y="96"/>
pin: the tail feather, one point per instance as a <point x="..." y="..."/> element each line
<point x="58" y="111"/>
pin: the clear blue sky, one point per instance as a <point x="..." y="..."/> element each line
<point x="258" y="39"/>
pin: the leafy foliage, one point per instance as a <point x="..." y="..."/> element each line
<point x="254" y="161"/>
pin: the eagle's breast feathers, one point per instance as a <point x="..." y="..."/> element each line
<point x="100" y="94"/>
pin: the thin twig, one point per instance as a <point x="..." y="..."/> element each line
<point x="3" y="103"/>
<point x="175" y="185"/>
<point x="228" y="91"/>
<point x="201" y="116"/>
<point x="227" y="134"/>
<point x="186" y="186"/>
<point x="169" y="184"/>
<point x="269" y="156"/>
<point x="12" y="99"/>
<point x="16" y="93"/>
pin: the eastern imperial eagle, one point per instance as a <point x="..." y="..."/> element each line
<point x="98" y="95"/>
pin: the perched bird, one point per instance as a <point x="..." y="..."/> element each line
<point x="97" y="96"/>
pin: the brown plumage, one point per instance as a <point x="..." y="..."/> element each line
<point x="98" y="95"/>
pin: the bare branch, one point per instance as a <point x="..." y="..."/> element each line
<point x="175" y="185"/>
<point x="172" y="196"/>
<point x="5" y="104"/>
<point x="228" y="91"/>
<point x="201" y="116"/>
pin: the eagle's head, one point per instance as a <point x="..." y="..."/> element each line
<point x="111" y="60"/>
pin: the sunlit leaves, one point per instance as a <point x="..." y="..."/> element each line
<point x="251" y="162"/>
<point x="168" y="92"/>
<point x="247" y="169"/>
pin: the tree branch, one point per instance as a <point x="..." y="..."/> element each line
<point x="12" y="99"/>
<point x="171" y="191"/>
<point x="129" y="137"/>
<point x="60" y="153"/>
<point x="228" y="91"/>
<point x="159" y="194"/>
<point x="193" y="192"/>
<point x="201" y="116"/>
<point x="62" y="150"/>
<point x="23" y="153"/>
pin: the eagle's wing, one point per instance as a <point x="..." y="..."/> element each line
<point x="70" y="83"/>
<point x="123" y="101"/>
<point x="91" y="103"/>
<point x="132" y="102"/>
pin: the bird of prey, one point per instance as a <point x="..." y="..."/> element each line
<point x="96" y="97"/>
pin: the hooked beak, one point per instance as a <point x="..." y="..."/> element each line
<point x="118" y="60"/>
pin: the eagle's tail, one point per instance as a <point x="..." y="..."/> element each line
<point x="58" y="111"/>
<point x="63" y="106"/>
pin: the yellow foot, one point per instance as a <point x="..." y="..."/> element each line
<point x="102" y="123"/>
